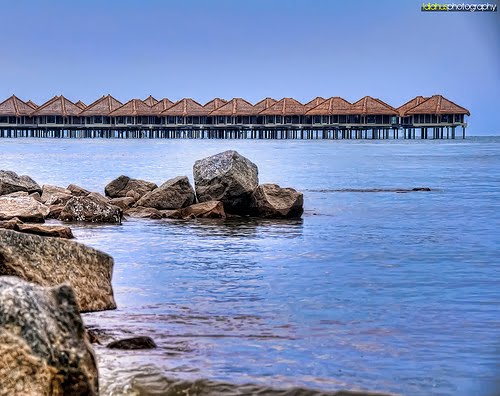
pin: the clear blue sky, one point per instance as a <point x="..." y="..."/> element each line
<point x="252" y="49"/>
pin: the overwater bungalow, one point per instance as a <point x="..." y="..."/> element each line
<point x="185" y="112"/>
<point x="97" y="114"/>
<point x="320" y="118"/>
<point x="14" y="112"/>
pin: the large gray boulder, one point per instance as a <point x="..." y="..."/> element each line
<point x="272" y="201"/>
<point x="93" y="208"/>
<point x="44" y="348"/>
<point x="52" y="261"/>
<point x="227" y="177"/>
<point x="10" y="182"/>
<point x="25" y="208"/>
<point x="123" y="184"/>
<point x="175" y="193"/>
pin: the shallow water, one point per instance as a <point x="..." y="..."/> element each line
<point x="388" y="291"/>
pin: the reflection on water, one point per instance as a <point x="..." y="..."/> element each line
<point x="383" y="291"/>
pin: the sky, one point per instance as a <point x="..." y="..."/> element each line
<point x="253" y="49"/>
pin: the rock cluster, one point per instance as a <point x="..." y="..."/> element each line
<point x="224" y="184"/>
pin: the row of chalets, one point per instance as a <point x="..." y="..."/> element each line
<point x="110" y="107"/>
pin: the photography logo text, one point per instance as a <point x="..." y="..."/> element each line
<point x="458" y="7"/>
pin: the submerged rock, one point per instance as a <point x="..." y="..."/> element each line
<point x="123" y="184"/>
<point x="173" y="194"/>
<point x="44" y="349"/>
<point x="204" y="210"/>
<point x="272" y="201"/>
<point x="227" y="177"/>
<point x="25" y="208"/>
<point x="52" y="261"/>
<point x="92" y="209"/>
<point x="57" y="231"/>
<point x="10" y="182"/>
<point x="144" y="213"/>
<point x="140" y="342"/>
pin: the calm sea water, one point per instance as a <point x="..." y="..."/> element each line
<point x="383" y="291"/>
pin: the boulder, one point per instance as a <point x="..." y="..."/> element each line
<point x="204" y="210"/>
<point x="272" y="201"/>
<point x="52" y="261"/>
<point x="123" y="184"/>
<point x="25" y="208"/>
<point x="133" y="194"/>
<point x="123" y="202"/>
<point x="140" y="342"/>
<point x="10" y="182"/>
<point x="44" y="349"/>
<point x="144" y="213"/>
<point x="227" y="177"/>
<point x="36" y="196"/>
<point x="55" y="211"/>
<point x="57" y="231"/>
<point x="175" y="193"/>
<point x="77" y="191"/>
<point x="93" y="208"/>
<point x="10" y="224"/>
<point x="54" y="195"/>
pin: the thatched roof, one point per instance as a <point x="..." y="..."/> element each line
<point x="32" y="104"/>
<point x="163" y="104"/>
<point x="335" y="105"/>
<point x="264" y="104"/>
<point x="313" y="103"/>
<point x="372" y="106"/>
<point x="236" y="106"/>
<point x="101" y="107"/>
<point x="150" y="101"/>
<point x="14" y="106"/>
<point x="185" y="107"/>
<point x="437" y="104"/>
<point x="214" y="104"/>
<point x="58" y="106"/>
<point x="134" y="107"/>
<point x="81" y="105"/>
<point x="285" y="106"/>
<point x="411" y="103"/>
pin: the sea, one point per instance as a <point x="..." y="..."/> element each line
<point x="375" y="288"/>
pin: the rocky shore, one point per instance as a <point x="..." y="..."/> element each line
<point x="226" y="185"/>
<point x="46" y="280"/>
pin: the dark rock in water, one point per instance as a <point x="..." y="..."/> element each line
<point x="77" y="191"/>
<point x="52" y="261"/>
<point x="57" y="231"/>
<point x="44" y="348"/>
<point x="141" y="342"/>
<point x="54" y="195"/>
<point x="25" y="208"/>
<point x="123" y="184"/>
<point x="227" y="177"/>
<point x="144" y="213"/>
<point x="421" y="189"/>
<point x="92" y="209"/>
<point x="123" y="202"/>
<point x="204" y="210"/>
<point x="173" y="194"/>
<point x="272" y="201"/>
<point x="10" y="182"/>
